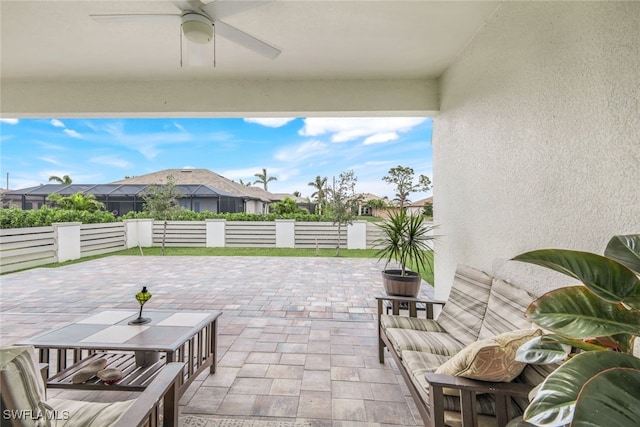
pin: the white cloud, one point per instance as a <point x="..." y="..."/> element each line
<point x="57" y="123"/>
<point x="50" y="160"/>
<point x="111" y="161"/>
<point x="300" y="152"/>
<point x="9" y="121"/>
<point x="379" y="138"/>
<point x="72" y="133"/>
<point x="270" y="122"/>
<point x="375" y="129"/>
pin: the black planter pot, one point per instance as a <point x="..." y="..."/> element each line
<point x="397" y="285"/>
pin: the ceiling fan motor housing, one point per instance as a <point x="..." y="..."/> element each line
<point x="197" y="28"/>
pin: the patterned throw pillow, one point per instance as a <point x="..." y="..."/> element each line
<point x="490" y="359"/>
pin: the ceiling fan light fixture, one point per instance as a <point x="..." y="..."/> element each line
<point x="197" y="28"/>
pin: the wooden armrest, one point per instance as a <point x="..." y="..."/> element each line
<point x="468" y="389"/>
<point x="409" y="299"/>
<point x="411" y="303"/>
<point x="460" y="383"/>
<point x="164" y="386"/>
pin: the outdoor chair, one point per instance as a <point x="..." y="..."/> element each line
<point x="24" y="403"/>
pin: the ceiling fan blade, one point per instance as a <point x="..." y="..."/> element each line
<point x="221" y="9"/>
<point x="126" y="18"/>
<point x="188" y="5"/>
<point x="246" y="40"/>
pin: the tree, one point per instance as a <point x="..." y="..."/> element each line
<point x="297" y="194"/>
<point x="264" y="179"/>
<point x="161" y="201"/>
<point x="320" y="195"/>
<point x="344" y="202"/>
<point x="66" y="179"/>
<point x="246" y="184"/>
<point x="402" y="178"/>
<point x="77" y="202"/>
<point x="286" y="206"/>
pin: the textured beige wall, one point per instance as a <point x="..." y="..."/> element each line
<point x="538" y="140"/>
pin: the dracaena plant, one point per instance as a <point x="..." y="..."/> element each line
<point x="598" y="384"/>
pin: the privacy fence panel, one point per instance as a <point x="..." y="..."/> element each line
<point x="96" y="239"/>
<point x="323" y="235"/>
<point x="27" y="247"/>
<point x="180" y="234"/>
<point x="374" y="234"/>
<point x="250" y="234"/>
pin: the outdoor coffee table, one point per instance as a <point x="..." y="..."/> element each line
<point x="171" y="336"/>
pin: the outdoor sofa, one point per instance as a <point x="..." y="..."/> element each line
<point x="24" y="400"/>
<point x="461" y="368"/>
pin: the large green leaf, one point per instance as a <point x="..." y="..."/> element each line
<point x="539" y="352"/>
<point x="576" y="312"/>
<point x="607" y="278"/>
<point x="554" y="402"/>
<point x="625" y="250"/>
<point x="611" y="398"/>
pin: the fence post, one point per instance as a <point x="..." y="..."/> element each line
<point x="216" y="231"/>
<point x="67" y="237"/>
<point x="357" y="235"/>
<point x="285" y="233"/>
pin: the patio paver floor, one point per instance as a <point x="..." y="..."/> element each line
<point x="297" y="337"/>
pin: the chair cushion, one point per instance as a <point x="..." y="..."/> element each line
<point x="505" y="310"/>
<point x="431" y="342"/>
<point x="490" y="359"/>
<point x="406" y="322"/>
<point x="87" y="414"/>
<point x="465" y="308"/>
<point x="22" y="384"/>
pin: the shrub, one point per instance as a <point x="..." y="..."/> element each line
<point x="18" y="218"/>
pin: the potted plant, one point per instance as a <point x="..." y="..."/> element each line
<point x="599" y="382"/>
<point x="407" y="240"/>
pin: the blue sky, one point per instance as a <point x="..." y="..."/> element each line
<point x="294" y="150"/>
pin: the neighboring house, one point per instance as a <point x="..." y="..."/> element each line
<point x="201" y="189"/>
<point x="254" y="199"/>
<point x="366" y="210"/>
<point x="418" y="207"/>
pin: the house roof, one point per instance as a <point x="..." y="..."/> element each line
<point x="369" y="196"/>
<point x="201" y="177"/>
<point x="420" y="203"/>
<point x="114" y="190"/>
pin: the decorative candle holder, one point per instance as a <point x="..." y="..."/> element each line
<point x="143" y="296"/>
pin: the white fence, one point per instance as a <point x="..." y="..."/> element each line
<point x="29" y="247"/>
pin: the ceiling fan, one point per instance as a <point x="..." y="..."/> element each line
<point x="201" y="20"/>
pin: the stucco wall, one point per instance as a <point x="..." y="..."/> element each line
<point x="538" y="140"/>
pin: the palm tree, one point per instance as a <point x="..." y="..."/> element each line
<point x="66" y="179"/>
<point x="320" y="184"/>
<point x="297" y="194"/>
<point x="77" y="202"/>
<point x="246" y="184"/>
<point x="263" y="179"/>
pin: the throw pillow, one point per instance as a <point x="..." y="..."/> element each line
<point x="490" y="359"/>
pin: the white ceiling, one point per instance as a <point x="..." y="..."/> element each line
<point x="56" y="41"/>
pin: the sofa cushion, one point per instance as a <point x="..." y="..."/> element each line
<point x="20" y="379"/>
<point x="87" y="414"/>
<point x="465" y="308"/>
<point x="505" y="310"/>
<point x="490" y="359"/>
<point x="419" y="363"/>
<point x="406" y="322"/>
<point x="431" y="342"/>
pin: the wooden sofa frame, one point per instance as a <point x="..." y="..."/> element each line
<point x="432" y="412"/>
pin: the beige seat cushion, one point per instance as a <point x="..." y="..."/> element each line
<point x="406" y="322"/>
<point x="74" y="413"/>
<point x="431" y="342"/>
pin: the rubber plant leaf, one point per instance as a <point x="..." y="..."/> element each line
<point x="607" y="278"/>
<point x="555" y="400"/>
<point x="611" y="398"/>
<point x="539" y="352"/>
<point x="576" y="312"/>
<point x="625" y="250"/>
